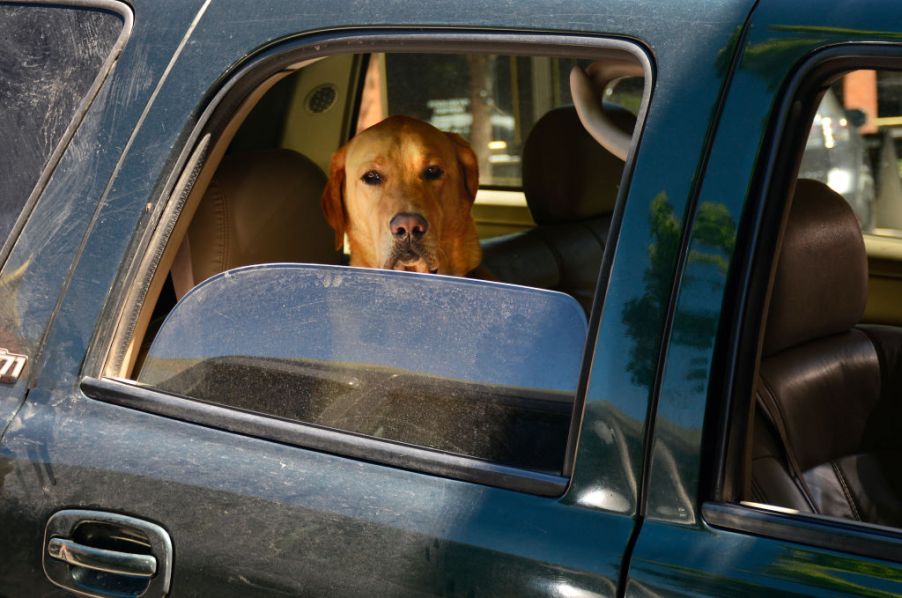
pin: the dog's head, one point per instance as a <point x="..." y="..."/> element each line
<point x="403" y="192"/>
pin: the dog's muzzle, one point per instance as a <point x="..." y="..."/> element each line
<point x="411" y="256"/>
<point x="408" y="251"/>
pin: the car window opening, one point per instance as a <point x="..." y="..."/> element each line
<point x="824" y="438"/>
<point x="290" y="188"/>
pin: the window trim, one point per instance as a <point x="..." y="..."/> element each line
<point x="140" y="268"/>
<point x="774" y="178"/>
<point x="852" y="537"/>
<point x="127" y="393"/>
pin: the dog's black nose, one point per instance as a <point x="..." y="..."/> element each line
<point x="406" y="225"/>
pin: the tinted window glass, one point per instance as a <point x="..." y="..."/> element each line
<point x="49" y="57"/>
<point x="471" y="367"/>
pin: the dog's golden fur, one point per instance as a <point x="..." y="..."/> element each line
<point x="403" y="193"/>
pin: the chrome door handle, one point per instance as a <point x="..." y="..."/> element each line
<point x="97" y="553"/>
<point x="99" y="559"/>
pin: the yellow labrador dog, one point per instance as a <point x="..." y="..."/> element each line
<point x="403" y="192"/>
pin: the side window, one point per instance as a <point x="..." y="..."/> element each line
<point x="825" y="438"/>
<point x="328" y="269"/>
<point x="49" y="59"/>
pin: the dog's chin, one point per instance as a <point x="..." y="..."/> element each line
<point x="418" y="266"/>
<point x="421" y="264"/>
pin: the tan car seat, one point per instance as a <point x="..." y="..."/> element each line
<point x="259" y="207"/>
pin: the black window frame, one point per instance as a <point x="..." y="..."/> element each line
<point x="727" y="417"/>
<point x="221" y="105"/>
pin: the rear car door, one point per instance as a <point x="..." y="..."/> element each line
<point x="91" y="459"/>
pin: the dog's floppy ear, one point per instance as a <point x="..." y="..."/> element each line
<point x="333" y="196"/>
<point x="469" y="167"/>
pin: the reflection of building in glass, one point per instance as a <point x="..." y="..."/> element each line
<point x="854" y="143"/>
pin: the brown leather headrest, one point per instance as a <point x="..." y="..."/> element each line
<point x="567" y="175"/>
<point x="260" y="207"/>
<point x="821" y="283"/>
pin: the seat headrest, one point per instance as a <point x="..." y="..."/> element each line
<point x="821" y="282"/>
<point x="259" y="207"/>
<point x="567" y="175"/>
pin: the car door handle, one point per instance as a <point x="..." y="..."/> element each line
<point x="97" y="553"/>
<point x="98" y="559"/>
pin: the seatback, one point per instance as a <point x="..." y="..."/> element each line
<point x="571" y="184"/>
<point x="260" y="207"/>
<point x="827" y="391"/>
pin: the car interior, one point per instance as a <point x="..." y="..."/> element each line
<point x="822" y="437"/>
<point x="826" y="409"/>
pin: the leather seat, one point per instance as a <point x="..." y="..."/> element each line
<point x="571" y="185"/>
<point x="828" y="400"/>
<point x="259" y="207"/>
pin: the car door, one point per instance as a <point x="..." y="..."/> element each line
<point x="102" y="465"/>
<point x="725" y="543"/>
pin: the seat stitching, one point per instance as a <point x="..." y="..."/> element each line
<point x="796" y="472"/>
<point x="845" y="489"/>
<point x="758" y="491"/>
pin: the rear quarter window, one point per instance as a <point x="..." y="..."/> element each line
<point x="49" y="59"/>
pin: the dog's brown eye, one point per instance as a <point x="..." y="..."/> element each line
<point x="372" y="177"/>
<point x="433" y="173"/>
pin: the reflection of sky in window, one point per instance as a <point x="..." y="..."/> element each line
<point x="456" y="328"/>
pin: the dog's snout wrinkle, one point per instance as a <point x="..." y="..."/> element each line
<point x="407" y="225"/>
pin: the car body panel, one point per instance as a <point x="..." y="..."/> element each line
<point x="249" y="516"/>
<point x="39" y="265"/>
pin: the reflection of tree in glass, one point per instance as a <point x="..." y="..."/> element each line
<point x="837" y="573"/>
<point x="714" y="237"/>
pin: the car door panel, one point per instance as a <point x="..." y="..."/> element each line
<point x="39" y="263"/>
<point x="251" y="516"/>
<point x="703" y="551"/>
<point x="718" y="562"/>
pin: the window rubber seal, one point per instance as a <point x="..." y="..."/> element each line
<point x="346" y="444"/>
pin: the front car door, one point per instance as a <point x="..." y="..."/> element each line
<point x="249" y="512"/>
<point x="726" y="542"/>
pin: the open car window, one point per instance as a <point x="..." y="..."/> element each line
<point x="823" y="438"/>
<point x="278" y="286"/>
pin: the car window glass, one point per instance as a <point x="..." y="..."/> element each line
<point x="49" y="58"/>
<point x="464" y="366"/>
<point x="854" y="147"/>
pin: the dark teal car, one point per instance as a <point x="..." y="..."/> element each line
<point x="684" y="377"/>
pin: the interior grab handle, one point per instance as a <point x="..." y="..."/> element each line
<point x="587" y="87"/>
